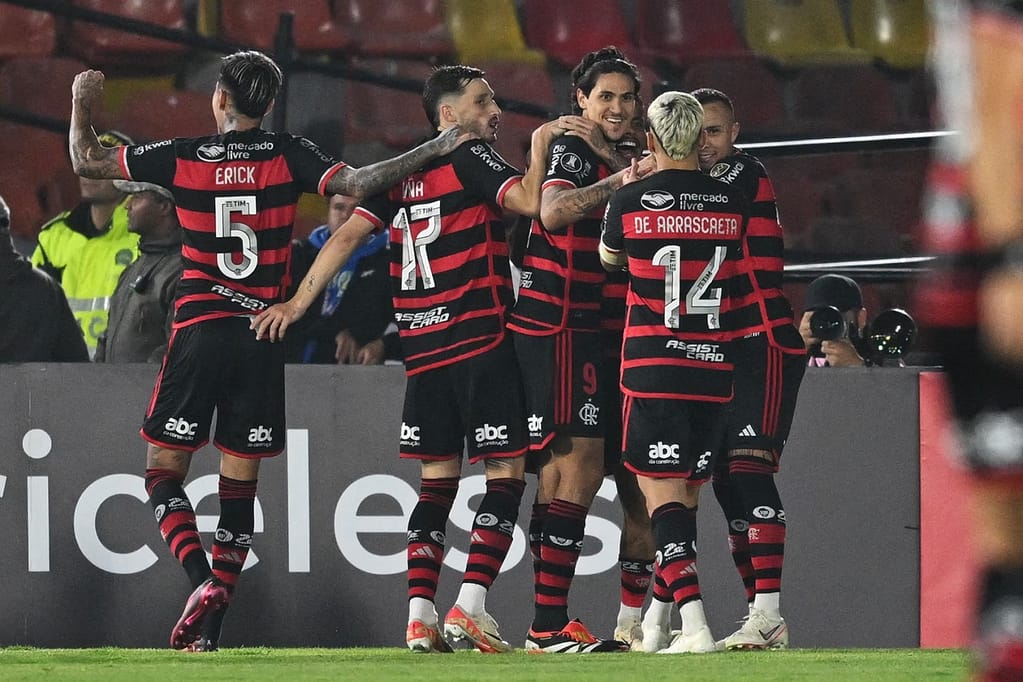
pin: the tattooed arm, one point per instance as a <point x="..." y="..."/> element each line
<point x="89" y="158"/>
<point x="275" y="320"/>
<point x="561" y="206"/>
<point x="377" y="177"/>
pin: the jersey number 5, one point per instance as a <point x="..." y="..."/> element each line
<point x="413" y="247"/>
<point x="701" y="299"/>
<point x="223" y="207"/>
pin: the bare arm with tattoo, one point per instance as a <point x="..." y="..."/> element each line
<point x="561" y="206"/>
<point x="89" y="158"/>
<point x="377" y="177"/>
<point x="275" y="320"/>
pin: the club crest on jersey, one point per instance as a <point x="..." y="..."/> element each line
<point x="657" y="200"/>
<point x="211" y="152"/>
<point x="719" y="169"/>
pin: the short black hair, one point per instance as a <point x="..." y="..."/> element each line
<point x="252" y="79"/>
<point x="595" y="64"/>
<point x="705" y="95"/>
<point x="444" y="81"/>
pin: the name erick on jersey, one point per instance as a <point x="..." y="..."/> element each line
<point x="236" y="198"/>
<point x="681" y="231"/>
<point x="450" y="277"/>
<point x="561" y="281"/>
<point x="762" y="305"/>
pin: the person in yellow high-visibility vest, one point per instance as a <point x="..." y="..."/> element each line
<point x="87" y="248"/>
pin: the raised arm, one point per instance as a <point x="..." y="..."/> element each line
<point x="377" y="177"/>
<point x="275" y="320"/>
<point x="89" y="158"/>
<point x="560" y="206"/>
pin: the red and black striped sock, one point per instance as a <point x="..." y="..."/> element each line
<point x="738" y="531"/>
<point x="674" y="527"/>
<point x="753" y="479"/>
<point x="635" y="580"/>
<point x="176" y="519"/>
<point x="426" y="534"/>
<point x="536" y="522"/>
<point x="561" y="546"/>
<point x="493" y="529"/>
<point x="233" y="539"/>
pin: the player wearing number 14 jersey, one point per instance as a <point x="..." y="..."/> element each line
<point x="678" y="233"/>
<point x="236" y="194"/>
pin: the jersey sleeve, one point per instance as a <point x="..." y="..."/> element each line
<point x="612" y="237"/>
<point x="311" y="167"/>
<point x="155" y="162"/>
<point x="571" y="162"/>
<point x="484" y="171"/>
<point x="377" y="209"/>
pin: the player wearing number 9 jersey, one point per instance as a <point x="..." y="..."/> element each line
<point x="236" y="195"/>
<point x="678" y="232"/>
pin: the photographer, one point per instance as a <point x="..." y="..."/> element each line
<point x="834" y="340"/>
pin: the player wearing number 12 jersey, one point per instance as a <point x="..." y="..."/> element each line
<point x="451" y="286"/>
<point x="678" y="232"/>
<point x="236" y="194"/>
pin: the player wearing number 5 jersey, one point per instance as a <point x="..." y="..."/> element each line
<point x="678" y="232"/>
<point x="451" y="286"/>
<point x="236" y="194"/>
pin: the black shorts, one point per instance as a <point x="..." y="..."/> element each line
<point x="219" y="365"/>
<point x="672" y="438"/>
<point x="611" y="407"/>
<point x="765" y="387"/>
<point x="562" y="375"/>
<point x="473" y="405"/>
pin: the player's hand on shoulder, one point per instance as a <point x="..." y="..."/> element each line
<point x="645" y="166"/>
<point x="273" y="322"/>
<point x="588" y="131"/>
<point x="87" y="86"/>
<point x="544" y="134"/>
<point x="450" y="139"/>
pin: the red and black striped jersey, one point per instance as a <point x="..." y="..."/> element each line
<point x="561" y="281"/>
<point x="450" y="276"/>
<point x="762" y="305"/>
<point x="612" y="311"/>
<point x="681" y="231"/>
<point x="236" y="198"/>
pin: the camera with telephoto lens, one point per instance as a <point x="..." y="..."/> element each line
<point x="828" y="323"/>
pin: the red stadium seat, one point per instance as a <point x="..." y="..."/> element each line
<point x="102" y="46"/>
<point x="754" y="89"/>
<point x="41" y="183"/>
<point x="800" y="197"/>
<point x="315" y="27"/>
<point x="524" y="83"/>
<point x="413" y="29"/>
<point x="26" y="33"/>
<point x="40" y="85"/>
<point x="160" y="115"/>
<point x="565" y="31"/>
<point x="841" y="100"/>
<point x="374" y="113"/>
<point x="685" y="31"/>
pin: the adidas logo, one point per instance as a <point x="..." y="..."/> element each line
<point x="748" y="431"/>
<point x="424" y="552"/>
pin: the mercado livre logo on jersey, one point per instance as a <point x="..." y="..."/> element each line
<point x="657" y="200"/>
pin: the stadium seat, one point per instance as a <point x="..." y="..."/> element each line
<point x="565" y="31"/>
<point x="488" y="31"/>
<point x="795" y="33"/>
<point x="799" y="196"/>
<point x="163" y="114"/>
<point x="413" y="29"/>
<point x="102" y="46"/>
<point x="842" y="100"/>
<point x="26" y="33"/>
<point x="523" y="83"/>
<point x="754" y="89"/>
<point x="889" y="197"/>
<point x="374" y="113"/>
<point x="41" y="183"/>
<point x="255" y="24"/>
<point x="685" y="31"/>
<point x="40" y="85"/>
<point x="897" y="32"/>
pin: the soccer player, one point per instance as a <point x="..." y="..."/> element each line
<point x="636" y="549"/>
<point x="556" y="321"/>
<point x="236" y="194"/>
<point x="451" y="285"/>
<point x="769" y="359"/>
<point x="678" y="232"/>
